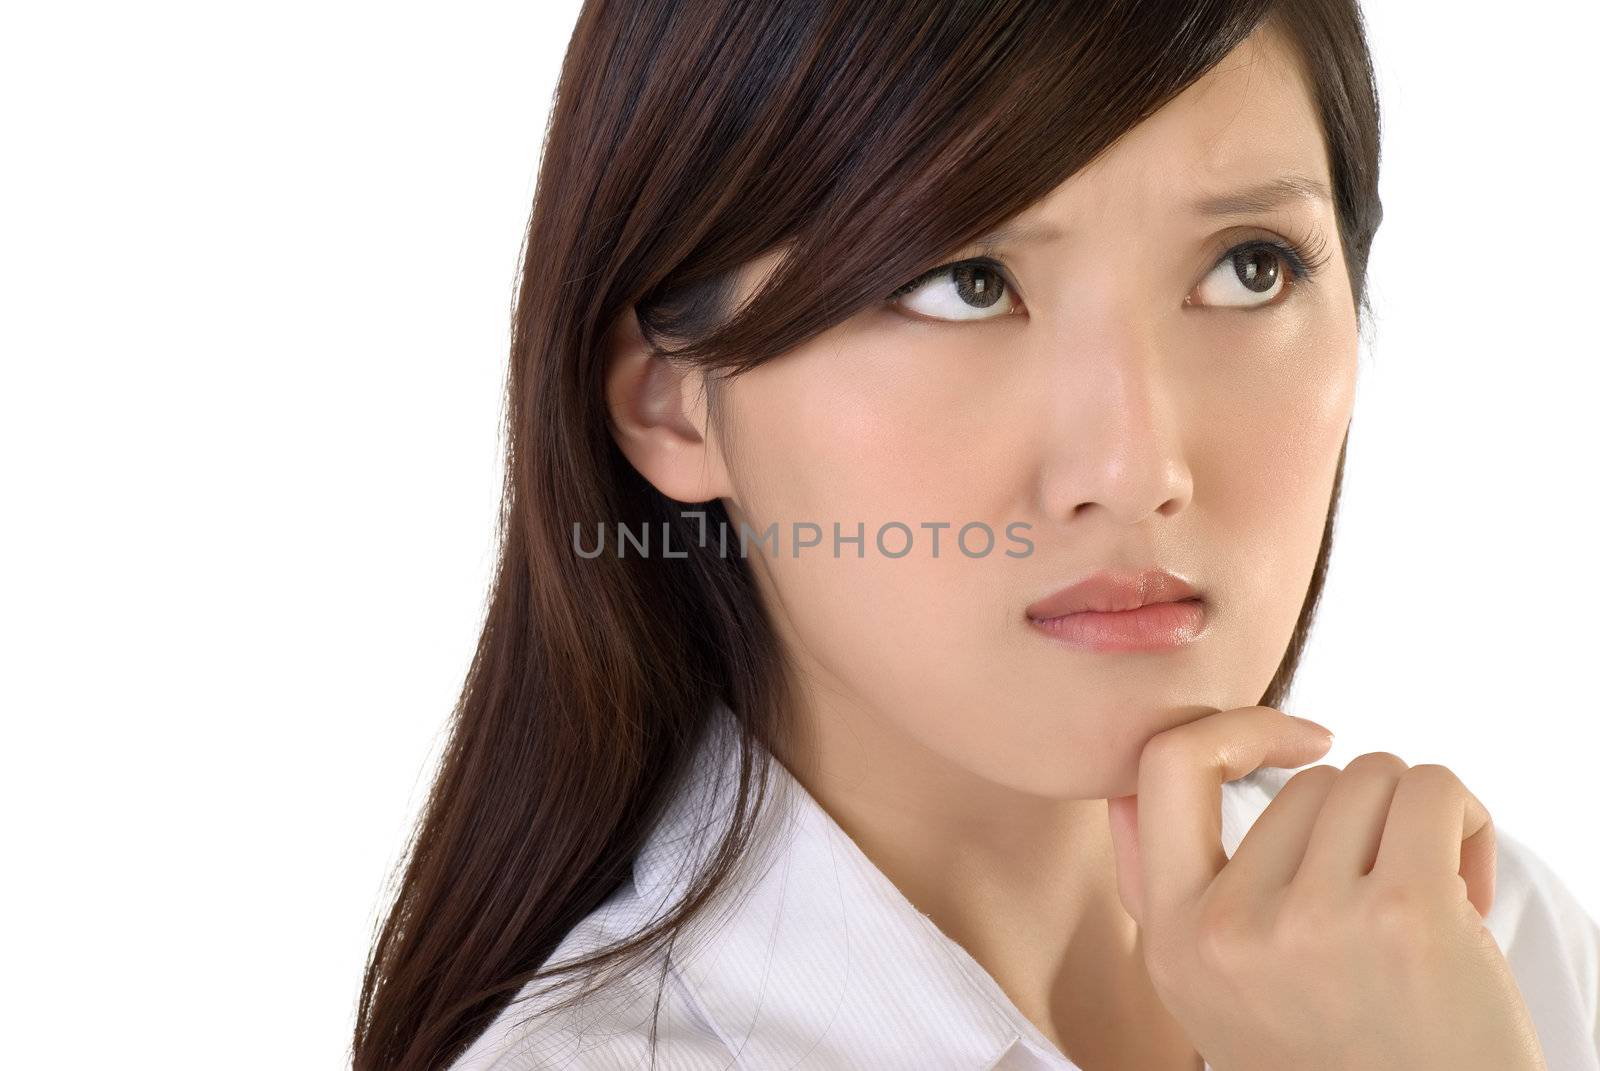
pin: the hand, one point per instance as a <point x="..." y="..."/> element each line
<point x="1346" y="930"/>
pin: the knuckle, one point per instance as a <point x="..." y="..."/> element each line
<point x="1305" y="925"/>
<point x="1377" y="762"/>
<point x="1160" y="749"/>
<point x="1310" y="776"/>
<point x="1224" y="935"/>
<point x="1167" y="751"/>
<point x="1403" y="919"/>
<point x="1435" y="776"/>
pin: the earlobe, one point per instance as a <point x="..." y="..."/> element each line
<point x="658" y="417"/>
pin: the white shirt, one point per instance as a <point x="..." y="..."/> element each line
<point x="815" y="960"/>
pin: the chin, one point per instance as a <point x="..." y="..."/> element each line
<point x="1073" y="774"/>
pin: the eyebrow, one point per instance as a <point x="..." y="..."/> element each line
<point x="1264" y="196"/>
<point x="1019" y="233"/>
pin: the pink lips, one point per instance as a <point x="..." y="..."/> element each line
<point x="1151" y="610"/>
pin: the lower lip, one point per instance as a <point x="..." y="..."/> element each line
<point x="1158" y="626"/>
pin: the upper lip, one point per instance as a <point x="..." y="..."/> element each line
<point x="1114" y="590"/>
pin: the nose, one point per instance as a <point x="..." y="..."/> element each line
<point x="1113" y="430"/>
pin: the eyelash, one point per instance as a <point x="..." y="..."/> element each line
<point x="1305" y="257"/>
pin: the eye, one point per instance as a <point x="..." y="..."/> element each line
<point x="964" y="290"/>
<point x="1251" y="275"/>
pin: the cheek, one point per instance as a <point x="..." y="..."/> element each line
<point x="850" y="434"/>
<point x="848" y="430"/>
<point x="1273" y="455"/>
<point x="1276" y="405"/>
<point x="1264" y="471"/>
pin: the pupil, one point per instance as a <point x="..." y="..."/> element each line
<point x="977" y="285"/>
<point x="1247" y="266"/>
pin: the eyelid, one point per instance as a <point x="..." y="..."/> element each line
<point x="1306" y="250"/>
<point x="982" y="259"/>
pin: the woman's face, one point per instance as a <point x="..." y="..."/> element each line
<point x="1130" y="398"/>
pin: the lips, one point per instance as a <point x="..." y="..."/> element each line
<point x="1112" y="590"/>
<point x="1152" y="610"/>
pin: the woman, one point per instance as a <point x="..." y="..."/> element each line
<point x="926" y="426"/>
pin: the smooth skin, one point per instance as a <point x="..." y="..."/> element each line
<point x="1137" y="405"/>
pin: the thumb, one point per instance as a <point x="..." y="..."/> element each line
<point x="1123" y="814"/>
<point x="1478" y="867"/>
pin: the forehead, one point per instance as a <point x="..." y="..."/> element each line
<point x="1250" y="118"/>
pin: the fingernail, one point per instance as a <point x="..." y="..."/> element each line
<point x="1315" y="725"/>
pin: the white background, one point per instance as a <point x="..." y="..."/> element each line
<point x="255" y="275"/>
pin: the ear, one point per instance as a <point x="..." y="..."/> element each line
<point x="658" y="417"/>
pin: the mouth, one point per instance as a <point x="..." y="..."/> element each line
<point x="1151" y="610"/>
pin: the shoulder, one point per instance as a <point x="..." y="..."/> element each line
<point x="646" y="1015"/>
<point x="1550" y="940"/>
<point x="610" y="1023"/>
<point x="1532" y="902"/>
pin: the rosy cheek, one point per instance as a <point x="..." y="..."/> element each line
<point x="834" y="444"/>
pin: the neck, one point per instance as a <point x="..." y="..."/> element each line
<point x="1026" y="884"/>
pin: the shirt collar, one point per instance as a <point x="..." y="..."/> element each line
<point x="813" y="957"/>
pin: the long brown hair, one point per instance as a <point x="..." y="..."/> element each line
<point x="687" y="138"/>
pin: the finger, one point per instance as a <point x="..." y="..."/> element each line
<point x="1123" y="814"/>
<point x="1181" y="772"/>
<point x="1269" y="855"/>
<point x="1437" y="827"/>
<point x="1344" y="842"/>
